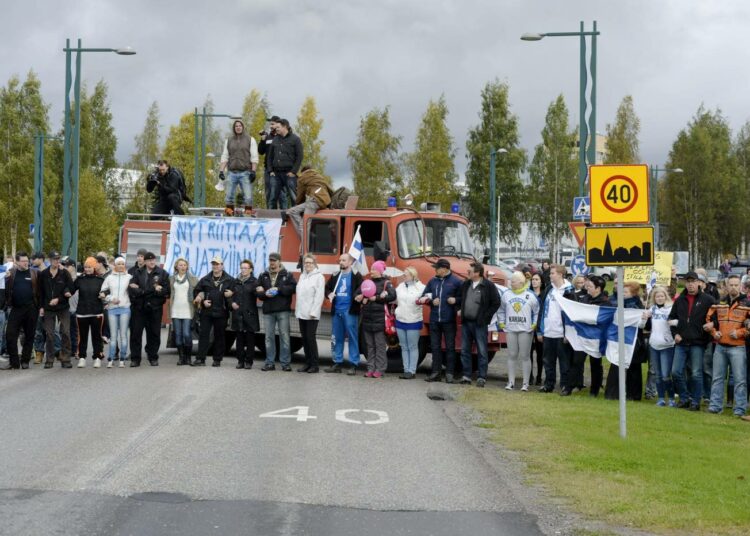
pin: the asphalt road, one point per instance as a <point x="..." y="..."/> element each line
<point x="180" y="450"/>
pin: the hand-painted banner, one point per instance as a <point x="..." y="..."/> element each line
<point x="662" y="266"/>
<point x="234" y="239"/>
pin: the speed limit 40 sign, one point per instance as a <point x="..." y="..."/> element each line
<point x="619" y="194"/>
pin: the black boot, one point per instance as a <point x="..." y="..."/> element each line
<point x="181" y="354"/>
<point x="186" y="354"/>
<point x="240" y="364"/>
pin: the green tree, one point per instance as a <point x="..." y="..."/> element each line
<point x="375" y="159"/>
<point x="254" y="112"/>
<point x="98" y="140"/>
<point x="23" y="114"/>
<point x="702" y="207"/>
<point x="497" y="128"/>
<point x="97" y="229"/>
<point x="308" y="127"/>
<point x="146" y="154"/>
<point x="178" y="150"/>
<point x="431" y="171"/>
<point x="622" y="136"/>
<point x="553" y="176"/>
<point x="741" y="154"/>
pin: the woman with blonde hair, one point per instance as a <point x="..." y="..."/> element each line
<point x="661" y="343"/>
<point x="310" y="296"/>
<point x="115" y="294"/>
<point x="409" y="320"/>
<point x="181" y="308"/>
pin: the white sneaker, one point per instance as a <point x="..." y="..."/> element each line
<point x="525" y="387"/>
<point x="121" y="365"/>
<point x="81" y="362"/>
<point x="110" y="364"/>
<point x="509" y="387"/>
<point x="97" y="363"/>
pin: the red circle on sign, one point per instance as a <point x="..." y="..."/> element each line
<point x="604" y="189"/>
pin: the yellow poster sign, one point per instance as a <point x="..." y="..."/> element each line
<point x="662" y="266"/>
<point x="619" y="194"/>
<point x="619" y="246"/>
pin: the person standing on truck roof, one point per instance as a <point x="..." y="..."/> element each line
<point x="479" y="302"/>
<point x="240" y="157"/>
<point x="170" y="189"/>
<point x="275" y="288"/>
<point x="313" y="193"/>
<point x="443" y="295"/>
<point x="264" y="148"/>
<point x="212" y="297"/>
<point x="149" y="290"/>
<point x="286" y="160"/>
<point x="340" y="290"/>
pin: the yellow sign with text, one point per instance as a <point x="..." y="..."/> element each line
<point x="662" y="266"/>
<point x="619" y="194"/>
<point x="619" y="246"/>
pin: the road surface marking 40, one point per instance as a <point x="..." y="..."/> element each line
<point x="302" y="414"/>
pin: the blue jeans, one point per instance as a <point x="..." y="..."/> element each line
<point x="661" y="361"/>
<point x="708" y="366"/>
<point x="345" y="324"/>
<point x="241" y="179"/>
<point x="409" y="340"/>
<point x="275" y="193"/>
<point x="2" y="331"/>
<point x="290" y="188"/>
<point x="183" y="332"/>
<point x="734" y="356"/>
<point x="473" y="332"/>
<point x="694" y="352"/>
<point x="267" y="187"/>
<point x="272" y="320"/>
<point x="119" y="322"/>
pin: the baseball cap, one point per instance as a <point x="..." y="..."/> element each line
<point x="67" y="261"/>
<point x="148" y="256"/>
<point x="274" y="118"/>
<point x="217" y="260"/>
<point x="691" y="275"/>
<point x="442" y="263"/>
<point x="54" y="254"/>
<point x="274" y="257"/>
<point x="37" y="255"/>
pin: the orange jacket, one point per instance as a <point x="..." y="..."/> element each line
<point x="727" y="316"/>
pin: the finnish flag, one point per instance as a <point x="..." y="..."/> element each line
<point x="593" y="329"/>
<point x="357" y="251"/>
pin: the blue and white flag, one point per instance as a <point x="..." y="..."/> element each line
<point x="651" y="282"/>
<point x="357" y="252"/>
<point x="593" y="329"/>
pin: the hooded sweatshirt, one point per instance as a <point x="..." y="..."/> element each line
<point x="313" y="184"/>
<point x="240" y="150"/>
<point x="116" y="288"/>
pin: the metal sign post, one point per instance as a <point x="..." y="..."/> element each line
<point x="621" y="346"/>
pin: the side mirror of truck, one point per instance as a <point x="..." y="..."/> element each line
<point x="380" y="251"/>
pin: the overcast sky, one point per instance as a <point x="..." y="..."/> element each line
<point x="354" y="55"/>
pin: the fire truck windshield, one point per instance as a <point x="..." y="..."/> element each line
<point x="442" y="237"/>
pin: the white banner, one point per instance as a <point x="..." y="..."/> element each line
<point x="234" y="239"/>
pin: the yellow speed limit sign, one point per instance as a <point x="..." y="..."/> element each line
<point x="619" y="194"/>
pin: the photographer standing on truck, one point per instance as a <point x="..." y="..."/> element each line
<point x="170" y="189"/>
<point x="286" y="160"/>
<point x="264" y="148"/>
<point x="240" y="156"/>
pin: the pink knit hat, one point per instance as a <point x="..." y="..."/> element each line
<point x="378" y="266"/>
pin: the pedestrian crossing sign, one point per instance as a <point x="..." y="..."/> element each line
<point x="581" y="208"/>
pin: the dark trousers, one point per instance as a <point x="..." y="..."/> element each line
<point x="149" y="319"/>
<point x="575" y="372"/>
<point x="308" y="330"/>
<point x="537" y="347"/>
<point x="168" y="204"/>
<point x="245" y="346"/>
<point x="218" y="325"/>
<point x="50" y="320"/>
<point x="21" y="318"/>
<point x="633" y="382"/>
<point x="93" y="324"/>
<point x="597" y="375"/>
<point x="73" y="334"/>
<point x="556" y="350"/>
<point x="438" y="332"/>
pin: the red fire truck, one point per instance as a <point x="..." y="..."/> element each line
<point x="402" y="236"/>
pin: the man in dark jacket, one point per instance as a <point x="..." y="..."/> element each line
<point x="479" y="301"/>
<point x="22" y="296"/>
<point x="264" y="148"/>
<point x="149" y="290"/>
<point x="286" y="160"/>
<point x="443" y="295"/>
<point x="56" y="287"/>
<point x="167" y="182"/>
<point x="275" y="288"/>
<point x="212" y="297"/>
<point x="687" y="320"/>
<point x="341" y="289"/>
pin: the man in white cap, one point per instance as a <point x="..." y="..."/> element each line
<point x="212" y="295"/>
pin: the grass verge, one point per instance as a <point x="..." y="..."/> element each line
<point x="678" y="472"/>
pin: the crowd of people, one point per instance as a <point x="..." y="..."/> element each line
<point x="694" y="341"/>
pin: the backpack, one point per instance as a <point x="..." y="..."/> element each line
<point x="339" y="197"/>
<point x="183" y="187"/>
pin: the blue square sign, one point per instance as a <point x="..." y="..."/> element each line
<point x="582" y="208"/>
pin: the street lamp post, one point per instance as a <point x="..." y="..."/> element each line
<point x="39" y="140"/>
<point x="199" y="155"/>
<point x="587" y="132"/>
<point x="494" y="198"/>
<point x="654" y="187"/>
<point x="72" y="134"/>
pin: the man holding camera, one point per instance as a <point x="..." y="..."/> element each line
<point x="240" y="157"/>
<point x="286" y="159"/>
<point x="170" y="189"/>
<point x="266" y="140"/>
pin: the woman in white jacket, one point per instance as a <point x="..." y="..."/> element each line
<point x="409" y="320"/>
<point x="115" y="294"/>
<point x="310" y="296"/>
